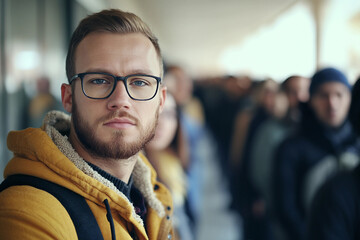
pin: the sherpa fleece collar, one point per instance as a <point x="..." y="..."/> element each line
<point x="57" y="123"/>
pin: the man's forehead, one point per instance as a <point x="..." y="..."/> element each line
<point x="332" y="86"/>
<point x="104" y="50"/>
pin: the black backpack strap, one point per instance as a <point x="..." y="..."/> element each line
<point x="76" y="205"/>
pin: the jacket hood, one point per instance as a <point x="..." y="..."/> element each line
<point x="47" y="153"/>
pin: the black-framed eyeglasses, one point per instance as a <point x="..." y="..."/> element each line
<point x="98" y="85"/>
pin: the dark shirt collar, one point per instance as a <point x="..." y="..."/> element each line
<point x="132" y="193"/>
<point x="119" y="184"/>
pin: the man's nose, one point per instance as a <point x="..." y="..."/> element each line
<point x="333" y="102"/>
<point x="119" y="98"/>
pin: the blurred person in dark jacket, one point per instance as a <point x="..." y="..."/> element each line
<point x="283" y="122"/>
<point x="324" y="144"/>
<point x="245" y="195"/>
<point x="335" y="211"/>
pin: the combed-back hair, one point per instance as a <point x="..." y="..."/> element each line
<point x="113" y="21"/>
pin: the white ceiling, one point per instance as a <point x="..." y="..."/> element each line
<point x="195" y="33"/>
<point x="199" y="34"/>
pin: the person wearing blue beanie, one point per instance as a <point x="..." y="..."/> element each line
<point x="327" y="75"/>
<point x="335" y="211"/>
<point x="324" y="144"/>
<point x="330" y="95"/>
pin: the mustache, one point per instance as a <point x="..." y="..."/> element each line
<point x="119" y="114"/>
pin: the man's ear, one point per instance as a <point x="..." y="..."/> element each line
<point x="163" y="92"/>
<point x="66" y="97"/>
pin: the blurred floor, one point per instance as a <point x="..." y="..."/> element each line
<point x="216" y="221"/>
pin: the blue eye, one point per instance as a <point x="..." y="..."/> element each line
<point x="139" y="83"/>
<point x="99" y="81"/>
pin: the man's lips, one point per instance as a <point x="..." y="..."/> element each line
<point x="121" y="122"/>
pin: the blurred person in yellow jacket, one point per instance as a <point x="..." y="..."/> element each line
<point x="43" y="102"/>
<point x="114" y="95"/>
<point x="165" y="152"/>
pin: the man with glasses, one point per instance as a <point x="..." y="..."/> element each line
<point x="115" y="94"/>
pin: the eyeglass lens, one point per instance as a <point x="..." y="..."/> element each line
<point x="101" y="86"/>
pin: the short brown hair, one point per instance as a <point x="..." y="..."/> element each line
<point x="112" y="20"/>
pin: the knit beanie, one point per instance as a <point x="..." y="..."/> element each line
<point x="327" y="75"/>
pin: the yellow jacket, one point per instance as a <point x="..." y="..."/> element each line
<point x="30" y="213"/>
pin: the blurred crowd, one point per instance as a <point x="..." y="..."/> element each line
<point x="278" y="144"/>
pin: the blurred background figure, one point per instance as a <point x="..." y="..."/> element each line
<point x="166" y="152"/>
<point x="296" y="89"/>
<point x="250" y="115"/>
<point x="42" y="102"/>
<point x="335" y="211"/>
<point x="246" y="199"/>
<point x="191" y="116"/>
<point x="233" y="98"/>
<point x="265" y="139"/>
<point x="181" y="86"/>
<point x="324" y="144"/>
<point x="283" y="122"/>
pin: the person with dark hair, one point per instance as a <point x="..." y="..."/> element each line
<point x="283" y="122"/>
<point x="245" y="196"/>
<point x="324" y="144"/>
<point x="335" y="211"/>
<point x="296" y="89"/>
<point x="83" y="176"/>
